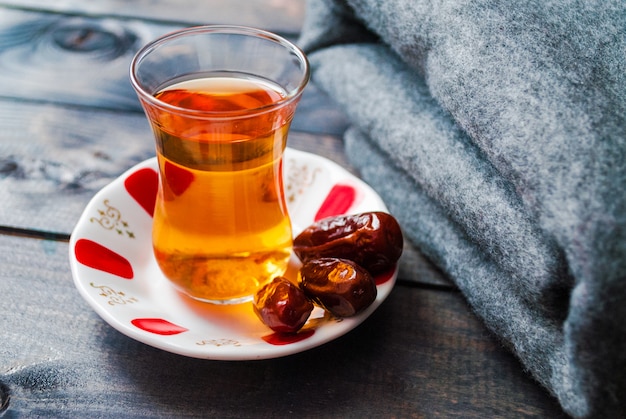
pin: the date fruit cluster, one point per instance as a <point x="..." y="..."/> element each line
<point x="340" y="256"/>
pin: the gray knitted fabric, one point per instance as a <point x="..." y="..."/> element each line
<point x="496" y="133"/>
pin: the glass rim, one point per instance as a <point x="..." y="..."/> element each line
<point x="223" y="29"/>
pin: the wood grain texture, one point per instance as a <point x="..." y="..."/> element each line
<point x="71" y="59"/>
<point x="284" y="16"/>
<point x="422" y="354"/>
<point x="52" y="162"/>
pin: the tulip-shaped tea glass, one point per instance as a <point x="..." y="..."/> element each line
<point x="220" y="100"/>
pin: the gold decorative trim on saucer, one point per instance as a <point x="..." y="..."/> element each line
<point x="115" y="297"/>
<point x="218" y="342"/>
<point x="299" y="180"/>
<point x="111" y="219"/>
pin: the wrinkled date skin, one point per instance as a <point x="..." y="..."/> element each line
<point x="371" y="239"/>
<point x="282" y="306"/>
<point x="338" y="285"/>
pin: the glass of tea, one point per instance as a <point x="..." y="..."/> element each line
<point x="220" y="100"/>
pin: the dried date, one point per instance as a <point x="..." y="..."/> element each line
<point x="282" y="306"/>
<point x="339" y="286"/>
<point x="371" y="239"/>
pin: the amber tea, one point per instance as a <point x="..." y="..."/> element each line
<point x="221" y="227"/>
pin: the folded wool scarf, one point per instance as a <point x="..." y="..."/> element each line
<point x="496" y="133"/>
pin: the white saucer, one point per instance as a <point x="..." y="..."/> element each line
<point x="115" y="271"/>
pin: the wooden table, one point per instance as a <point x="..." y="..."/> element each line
<point x="70" y="124"/>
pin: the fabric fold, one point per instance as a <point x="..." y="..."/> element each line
<point x="496" y="133"/>
<point x="536" y="339"/>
